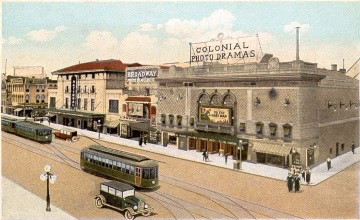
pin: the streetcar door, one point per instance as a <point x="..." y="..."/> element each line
<point x="137" y="176"/>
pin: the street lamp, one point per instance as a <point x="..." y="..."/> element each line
<point x="98" y="126"/>
<point x="49" y="177"/>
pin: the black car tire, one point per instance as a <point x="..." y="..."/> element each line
<point x="146" y="213"/>
<point x="128" y="215"/>
<point x="98" y="202"/>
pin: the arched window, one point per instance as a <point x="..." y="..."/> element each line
<point x="42" y="98"/>
<point x="215" y="99"/>
<point x="37" y="98"/>
<point x="203" y="99"/>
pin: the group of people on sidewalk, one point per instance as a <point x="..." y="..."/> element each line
<point x="294" y="180"/>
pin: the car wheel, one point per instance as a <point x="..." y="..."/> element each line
<point x="146" y="213"/>
<point x="68" y="139"/>
<point x="128" y="215"/>
<point x="74" y="138"/>
<point x="98" y="202"/>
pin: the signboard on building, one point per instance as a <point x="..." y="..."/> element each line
<point x="17" y="81"/>
<point x="244" y="49"/>
<point x="215" y="115"/>
<point x="136" y="109"/>
<point x="73" y="93"/>
<point x="141" y="74"/>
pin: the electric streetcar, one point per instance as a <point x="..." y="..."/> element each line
<point x="123" y="166"/>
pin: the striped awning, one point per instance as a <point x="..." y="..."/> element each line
<point x="111" y="124"/>
<point x="49" y="115"/>
<point x="18" y="109"/>
<point x="268" y="148"/>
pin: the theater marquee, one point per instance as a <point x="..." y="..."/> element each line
<point x="141" y="74"/>
<point x="245" y="49"/>
<point x="215" y="115"/>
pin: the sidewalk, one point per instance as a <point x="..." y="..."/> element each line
<point x="20" y="204"/>
<point x="318" y="173"/>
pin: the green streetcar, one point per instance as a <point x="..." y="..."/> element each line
<point x="27" y="129"/>
<point x="123" y="166"/>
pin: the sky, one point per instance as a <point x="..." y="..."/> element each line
<point x="56" y="35"/>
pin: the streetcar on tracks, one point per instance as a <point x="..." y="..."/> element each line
<point x="27" y="129"/>
<point x="121" y="197"/>
<point x="119" y="165"/>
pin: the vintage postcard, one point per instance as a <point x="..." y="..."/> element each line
<point x="180" y="110"/>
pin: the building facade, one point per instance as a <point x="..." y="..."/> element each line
<point x="26" y="96"/>
<point x="271" y="112"/>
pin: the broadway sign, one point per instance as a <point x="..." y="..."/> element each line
<point x="245" y="49"/>
<point x="141" y="74"/>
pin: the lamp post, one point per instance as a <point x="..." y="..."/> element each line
<point x="98" y="126"/>
<point x="49" y="177"/>
<point x="240" y="149"/>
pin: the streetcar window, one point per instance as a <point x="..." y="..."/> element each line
<point x="123" y="168"/>
<point x="104" y="188"/>
<point x="111" y="191"/>
<point x="132" y="170"/>
<point x="118" y="166"/>
<point x="127" y="168"/>
<point x="114" y="164"/>
<point x="145" y="174"/>
<point x="152" y="173"/>
<point x="103" y="162"/>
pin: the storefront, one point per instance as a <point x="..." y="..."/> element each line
<point x="274" y="154"/>
<point x="214" y="143"/>
<point x="78" y="119"/>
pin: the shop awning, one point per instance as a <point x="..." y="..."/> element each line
<point x="111" y="124"/>
<point x="275" y="149"/>
<point x="49" y="115"/>
<point x="212" y="136"/>
<point x="138" y="99"/>
<point x="142" y="126"/>
<point x="18" y="109"/>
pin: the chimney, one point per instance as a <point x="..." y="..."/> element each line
<point x="297" y="43"/>
<point x="334" y="67"/>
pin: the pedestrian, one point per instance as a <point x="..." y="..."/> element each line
<point x="145" y="140"/>
<point x="49" y="121"/>
<point x="140" y="141"/>
<point x="204" y="155"/>
<point x="207" y="156"/>
<point x="226" y="156"/>
<point x="297" y="180"/>
<point x="353" y="147"/>
<point x="308" y="176"/>
<point x="303" y="174"/>
<point x="290" y="181"/>
<point x="328" y="161"/>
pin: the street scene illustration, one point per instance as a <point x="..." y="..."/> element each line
<point x="180" y="110"/>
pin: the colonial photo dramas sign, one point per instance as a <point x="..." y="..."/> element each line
<point x="245" y="49"/>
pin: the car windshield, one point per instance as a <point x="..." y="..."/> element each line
<point x="128" y="193"/>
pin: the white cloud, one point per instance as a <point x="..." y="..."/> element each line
<point x="14" y="40"/>
<point x="159" y="26"/>
<point x="292" y="27"/>
<point x="147" y="27"/>
<point x="45" y="35"/>
<point x="101" y="40"/>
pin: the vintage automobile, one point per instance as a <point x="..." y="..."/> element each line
<point x="68" y="135"/>
<point x="121" y="197"/>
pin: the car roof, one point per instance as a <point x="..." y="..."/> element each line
<point x="118" y="185"/>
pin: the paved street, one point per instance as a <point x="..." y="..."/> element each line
<point x="319" y="175"/>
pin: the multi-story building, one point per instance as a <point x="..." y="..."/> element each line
<point x="89" y="95"/>
<point x="26" y="95"/>
<point x="271" y="112"/>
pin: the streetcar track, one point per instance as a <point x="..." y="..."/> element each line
<point x="63" y="161"/>
<point x="227" y="196"/>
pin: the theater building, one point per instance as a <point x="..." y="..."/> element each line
<point x="269" y="112"/>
